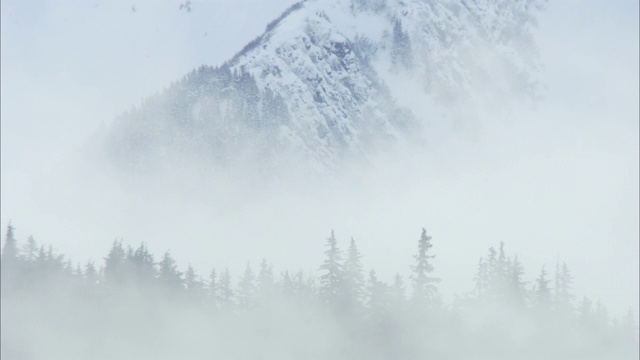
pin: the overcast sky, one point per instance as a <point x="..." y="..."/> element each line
<point x="68" y="66"/>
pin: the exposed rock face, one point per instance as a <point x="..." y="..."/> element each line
<point x="315" y="86"/>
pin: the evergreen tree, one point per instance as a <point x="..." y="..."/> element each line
<point x="30" y="250"/>
<point x="331" y="281"/>
<point x="563" y="298"/>
<point x="91" y="276"/>
<point x="481" y="280"/>
<point x="214" y="288"/>
<point x="378" y="304"/>
<point x="401" y="51"/>
<point x="193" y="285"/>
<point x="247" y="289"/>
<point x="68" y="268"/>
<point x="30" y="260"/>
<point x="265" y="280"/>
<point x="601" y="317"/>
<point x="114" y="268"/>
<point x="353" y="277"/>
<point x="9" y="252"/>
<point x="492" y="276"/>
<point x="542" y="293"/>
<point x="286" y="284"/>
<point x="226" y="291"/>
<point x="303" y="288"/>
<point x="629" y="331"/>
<point x="56" y="262"/>
<point x="501" y="276"/>
<point x="517" y="292"/>
<point x="585" y="316"/>
<point x="399" y="297"/>
<point x="168" y="275"/>
<point x="424" y="286"/>
<point x="41" y="260"/>
<point x="142" y="266"/>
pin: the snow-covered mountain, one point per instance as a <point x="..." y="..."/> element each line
<point x="329" y="80"/>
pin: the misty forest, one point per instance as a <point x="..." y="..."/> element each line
<point x="320" y="179"/>
<point x="150" y="307"/>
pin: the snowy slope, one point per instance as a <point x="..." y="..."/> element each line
<point x="325" y="83"/>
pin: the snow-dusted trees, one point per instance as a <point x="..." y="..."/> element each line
<point x="401" y="52"/>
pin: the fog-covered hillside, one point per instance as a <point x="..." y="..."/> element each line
<point x="503" y="125"/>
<point x="325" y="82"/>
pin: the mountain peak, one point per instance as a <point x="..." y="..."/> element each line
<point x="320" y="84"/>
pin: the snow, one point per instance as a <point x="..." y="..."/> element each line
<point x="341" y="104"/>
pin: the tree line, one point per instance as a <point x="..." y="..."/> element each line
<point x="502" y="315"/>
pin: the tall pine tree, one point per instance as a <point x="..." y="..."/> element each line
<point x="247" y="289"/>
<point x="353" y="278"/>
<point x="331" y="281"/>
<point x="424" y="285"/>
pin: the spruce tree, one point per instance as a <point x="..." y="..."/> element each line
<point x="629" y="331"/>
<point x="9" y="251"/>
<point x="353" y="277"/>
<point x="30" y="250"/>
<point x="91" y="276"/>
<point x="585" y="314"/>
<point x="378" y="304"/>
<point x="331" y="281"/>
<point x="399" y="297"/>
<point x="424" y="285"/>
<point x="168" y="275"/>
<point x="265" y="280"/>
<point x="214" y="288"/>
<point x="563" y="297"/>
<point x="542" y="294"/>
<point x="401" y="45"/>
<point x="247" y="289"/>
<point x="114" y="268"/>
<point x="516" y="290"/>
<point x="226" y="291"/>
<point x="286" y="284"/>
<point x="193" y="285"/>
<point x="481" y="280"/>
<point x="142" y="266"/>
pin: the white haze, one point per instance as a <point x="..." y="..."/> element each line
<point x="557" y="181"/>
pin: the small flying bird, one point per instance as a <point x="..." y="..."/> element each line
<point x="133" y="8"/>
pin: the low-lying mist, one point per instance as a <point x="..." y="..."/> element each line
<point x="481" y="188"/>
<point x="511" y="186"/>
<point x="139" y="305"/>
<point x="531" y="180"/>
